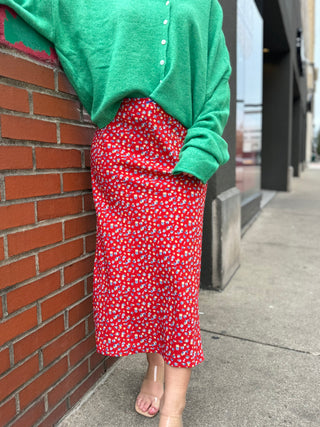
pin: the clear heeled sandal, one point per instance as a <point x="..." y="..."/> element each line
<point x="171" y="420"/>
<point x="151" y="390"/>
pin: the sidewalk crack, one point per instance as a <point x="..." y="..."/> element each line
<point x="261" y="342"/>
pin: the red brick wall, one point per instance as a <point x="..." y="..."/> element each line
<point x="47" y="240"/>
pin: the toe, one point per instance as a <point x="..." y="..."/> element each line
<point x="153" y="410"/>
<point x="145" y="404"/>
<point x="138" y="401"/>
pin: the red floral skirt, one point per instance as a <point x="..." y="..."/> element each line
<point x="149" y="232"/>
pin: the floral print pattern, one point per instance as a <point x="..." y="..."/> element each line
<point x="149" y="232"/>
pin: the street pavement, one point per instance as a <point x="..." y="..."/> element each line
<point x="261" y="335"/>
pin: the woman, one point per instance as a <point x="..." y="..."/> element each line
<point x="153" y="74"/>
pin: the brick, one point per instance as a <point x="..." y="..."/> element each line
<point x="78" y="135"/>
<point x="90" y="284"/>
<point x="88" y="202"/>
<point x="17" y="325"/>
<point x="39" y="237"/>
<point x="78" y="269"/>
<point x="26" y="71"/>
<point x="43" y="382"/>
<point x="84" y="387"/>
<point x="91" y="243"/>
<point x="82" y="350"/>
<point x="60" y="254"/>
<point x="87" y="159"/>
<point x="90" y="324"/>
<point x="1" y="249"/>
<point x="76" y="181"/>
<point x="47" y="105"/>
<point x="16" y="272"/>
<point x="67" y="384"/>
<point x="64" y="85"/>
<point x="32" y="292"/>
<point x="62" y="300"/>
<point x="14" y="99"/>
<point x="110" y="361"/>
<point x="8" y="411"/>
<point x="4" y="360"/>
<point x="15" y="157"/>
<point x="1" y="312"/>
<point x="33" y="414"/>
<point x="95" y="360"/>
<point x="16" y="215"/>
<point x="19" y="187"/>
<point x="54" y="158"/>
<point x="38" y="338"/>
<point x="78" y="226"/>
<point x="18" y="376"/>
<point x="55" y="208"/>
<point x="63" y="343"/>
<point x="80" y="311"/>
<point x="23" y="128"/>
<point x="55" y="415"/>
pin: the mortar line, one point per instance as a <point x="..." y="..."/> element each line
<point x="258" y="342"/>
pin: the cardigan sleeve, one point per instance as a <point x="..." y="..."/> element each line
<point x="204" y="149"/>
<point x="37" y="13"/>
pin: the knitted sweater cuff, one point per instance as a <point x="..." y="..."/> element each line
<point x="198" y="163"/>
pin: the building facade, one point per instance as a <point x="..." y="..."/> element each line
<point x="308" y="27"/>
<point x="270" y="129"/>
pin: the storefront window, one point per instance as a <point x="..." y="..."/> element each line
<point x="249" y="98"/>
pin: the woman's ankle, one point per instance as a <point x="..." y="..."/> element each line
<point x="155" y="359"/>
<point x="155" y="370"/>
<point x="172" y="407"/>
<point x="176" y="385"/>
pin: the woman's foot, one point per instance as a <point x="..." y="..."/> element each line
<point x="170" y="421"/>
<point x="171" y="413"/>
<point x="174" y="399"/>
<point x="148" y="400"/>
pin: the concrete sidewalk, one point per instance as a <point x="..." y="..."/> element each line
<point x="261" y="335"/>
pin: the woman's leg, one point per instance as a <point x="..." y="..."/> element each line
<point x="174" y="399"/>
<point x="148" y="400"/>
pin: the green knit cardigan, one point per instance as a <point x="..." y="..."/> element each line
<point x="172" y="51"/>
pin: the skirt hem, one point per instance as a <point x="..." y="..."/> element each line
<point x="167" y="360"/>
